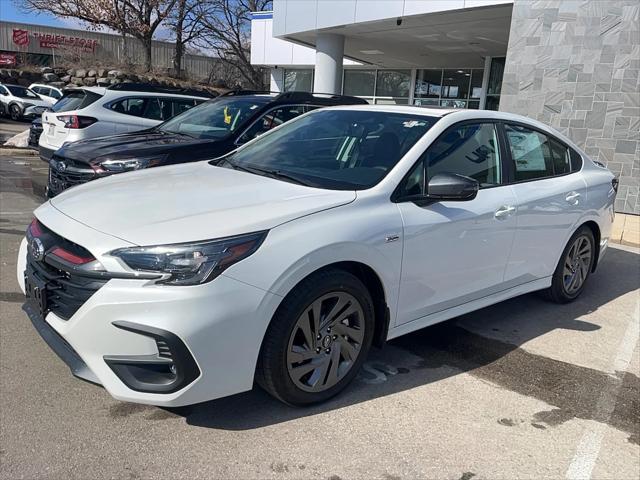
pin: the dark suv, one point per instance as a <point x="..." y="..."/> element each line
<point x="209" y="130"/>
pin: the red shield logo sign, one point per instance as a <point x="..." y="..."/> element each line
<point x="20" y="37"/>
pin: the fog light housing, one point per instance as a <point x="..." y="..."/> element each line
<point x="168" y="371"/>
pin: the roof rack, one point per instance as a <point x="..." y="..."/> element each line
<point x="311" y="96"/>
<point x="235" y="93"/>
<point x="147" y="87"/>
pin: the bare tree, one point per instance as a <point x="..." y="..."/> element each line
<point x="226" y="31"/>
<point x="138" y="18"/>
<point x="186" y="25"/>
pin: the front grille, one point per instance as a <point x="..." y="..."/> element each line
<point x="66" y="288"/>
<point x="64" y="173"/>
<point x="65" y="292"/>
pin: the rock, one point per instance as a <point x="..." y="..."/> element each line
<point x="89" y="81"/>
<point x="58" y="84"/>
<point x="103" y="81"/>
<point x="92" y="73"/>
<point x="60" y="71"/>
<point x="113" y="81"/>
<point x="115" y="74"/>
<point x="76" y="81"/>
<point x="65" y="79"/>
<point x="50" y="77"/>
<point x="102" y="72"/>
<point x="25" y="82"/>
<point x="81" y="73"/>
<point x="71" y="72"/>
<point x="46" y="70"/>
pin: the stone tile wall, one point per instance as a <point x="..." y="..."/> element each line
<point x="574" y="64"/>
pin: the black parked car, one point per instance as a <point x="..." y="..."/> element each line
<point x="209" y="130"/>
<point x="34" y="133"/>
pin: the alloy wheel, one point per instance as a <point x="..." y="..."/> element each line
<point x="14" y="112"/>
<point x="577" y="264"/>
<point x="325" y="342"/>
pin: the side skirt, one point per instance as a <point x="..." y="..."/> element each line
<point x="458" y="310"/>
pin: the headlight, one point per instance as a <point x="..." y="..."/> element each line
<point x="134" y="163"/>
<point x="191" y="263"/>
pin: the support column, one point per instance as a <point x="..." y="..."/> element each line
<point x="277" y="79"/>
<point x="329" y="54"/>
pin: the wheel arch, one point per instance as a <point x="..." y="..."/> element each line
<point x="595" y="230"/>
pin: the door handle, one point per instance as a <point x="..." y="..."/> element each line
<point x="573" y="198"/>
<point x="504" y="212"/>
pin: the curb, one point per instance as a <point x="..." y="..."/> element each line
<point x="9" y="151"/>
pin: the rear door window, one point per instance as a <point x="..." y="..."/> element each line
<point x="531" y="153"/>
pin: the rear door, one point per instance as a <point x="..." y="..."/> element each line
<point x="551" y="194"/>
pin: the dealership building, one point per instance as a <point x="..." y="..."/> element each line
<point x="573" y="64"/>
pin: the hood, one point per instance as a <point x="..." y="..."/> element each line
<point x="146" y="142"/>
<point x="191" y="202"/>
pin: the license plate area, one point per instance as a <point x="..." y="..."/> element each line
<point x="36" y="292"/>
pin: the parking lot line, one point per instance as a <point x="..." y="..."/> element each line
<point x="589" y="446"/>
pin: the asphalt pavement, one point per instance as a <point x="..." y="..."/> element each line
<point x="523" y="389"/>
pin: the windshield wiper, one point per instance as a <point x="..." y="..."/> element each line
<point x="272" y="173"/>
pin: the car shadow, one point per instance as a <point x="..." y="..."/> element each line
<point x="486" y="343"/>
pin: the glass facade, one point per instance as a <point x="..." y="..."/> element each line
<point x="457" y="88"/>
<point x="453" y="88"/>
<point x="298" y="80"/>
<point x="494" y="86"/>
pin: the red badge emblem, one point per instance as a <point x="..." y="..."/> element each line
<point x="20" y="37"/>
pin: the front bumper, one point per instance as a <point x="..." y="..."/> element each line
<point x="221" y="325"/>
<point x="45" y="153"/>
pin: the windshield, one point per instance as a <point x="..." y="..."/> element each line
<point x="215" y="119"/>
<point x="334" y="149"/>
<point x="22" y="92"/>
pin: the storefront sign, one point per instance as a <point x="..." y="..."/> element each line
<point x="20" y="37"/>
<point x="8" y="59"/>
<point x="48" y="40"/>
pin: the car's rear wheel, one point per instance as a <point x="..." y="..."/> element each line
<point x="574" y="267"/>
<point x="318" y="339"/>
<point x="15" y="112"/>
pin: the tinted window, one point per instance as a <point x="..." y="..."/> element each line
<point x="215" y="119"/>
<point x="75" y="100"/>
<point x="336" y="149"/>
<point x="180" y="106"/>
<point x="137" y="107"/>
<point x="21" y="92"/>
<point x="576" y="161"/>
<point x="561" y="158"/>
<point x="55" y="94"/>
<point x="470" y="150"/>
<point x="531" y="153"/>
<point x="272" y="119"/>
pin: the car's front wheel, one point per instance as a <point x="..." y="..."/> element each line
<point x="574" y="267"/>
<point x="318" y="339"/>
<point x="15" y="112"/>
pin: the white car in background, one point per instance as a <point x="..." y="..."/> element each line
<point x="285" y="260"/>
<point x="15" y="99"/>
<point x="90" y="112"/>
<point x="47" y="92"/>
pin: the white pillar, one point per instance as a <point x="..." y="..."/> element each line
<point x="329" y="54"/>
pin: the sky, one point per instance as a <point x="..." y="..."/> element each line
<point x="10" y="13"/>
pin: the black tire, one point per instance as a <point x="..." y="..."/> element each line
<point x="272" y="372"/>
<point x="559" y="291"/>
<point x="15" y="112"/>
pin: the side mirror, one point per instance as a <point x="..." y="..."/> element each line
<point x="452" y="187"/>
<point x="445" y="187"/>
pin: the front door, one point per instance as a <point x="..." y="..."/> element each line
<point x="456" y="252"/>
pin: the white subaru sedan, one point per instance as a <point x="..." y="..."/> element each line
<point x="284" y="261"/>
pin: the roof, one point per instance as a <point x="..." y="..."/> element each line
<point x="413" y="110"/>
